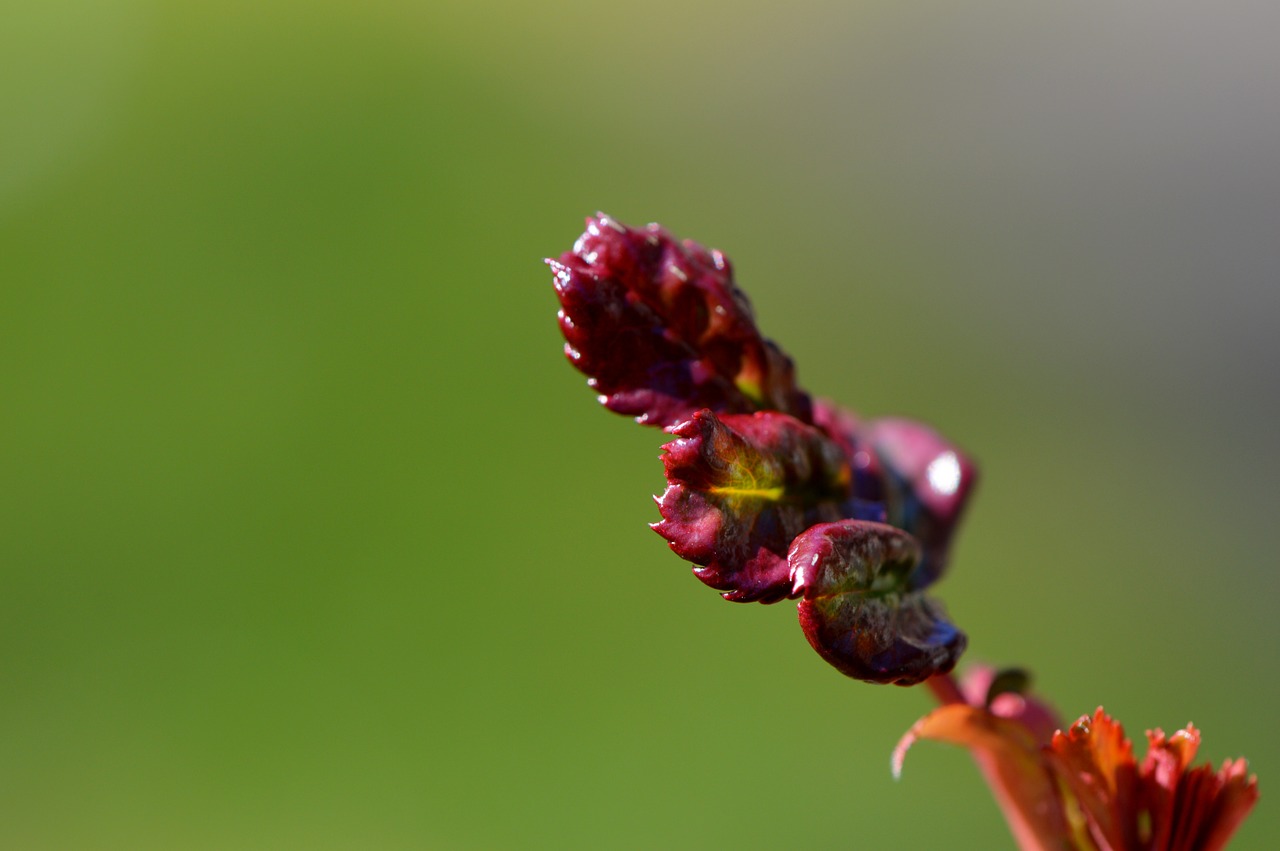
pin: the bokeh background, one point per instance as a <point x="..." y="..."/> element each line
<point x="311" y="539"/>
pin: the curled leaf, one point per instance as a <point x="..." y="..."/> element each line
<point x="1009" y="755"/>
<point x="662" y="331"/>
<point x="741" y="488"/>
<point x="861" y="609"/>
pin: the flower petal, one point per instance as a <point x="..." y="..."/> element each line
<point x="1096" y="762"/>
<point x="1165" y="805"/>
<point x="1236" y="795"/>
<point x="1192" y="808"/>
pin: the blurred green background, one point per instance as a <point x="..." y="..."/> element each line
<point x="311" y="539"/>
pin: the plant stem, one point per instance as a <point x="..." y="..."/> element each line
<point x="945" y="689"/>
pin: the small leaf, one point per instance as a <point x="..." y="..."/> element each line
<point x="863" y="611"/>
<point x="742" y="487"/>
<point x="662" y="331"/>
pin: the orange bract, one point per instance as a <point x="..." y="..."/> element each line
<point x="1084" y="789"/>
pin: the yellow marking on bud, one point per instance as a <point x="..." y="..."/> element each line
<point x="845" y="476"/>
<point x="750" y="389"/>
<point x="769" y="494"/>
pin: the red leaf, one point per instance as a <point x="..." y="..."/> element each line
<point x="862" y="611"/>
<point x="662" y="331"/>
<point x="742" y="487"/>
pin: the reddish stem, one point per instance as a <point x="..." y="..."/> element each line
<point x="945" y="689"/>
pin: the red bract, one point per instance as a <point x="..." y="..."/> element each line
<point x="928" y="481"/>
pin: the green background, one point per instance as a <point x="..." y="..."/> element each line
<point x="309" y="537"/>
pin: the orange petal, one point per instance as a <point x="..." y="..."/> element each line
<point x="1009" y="757"/>
<point x="1238" y="795"/>
<point x="1095" y="760"/>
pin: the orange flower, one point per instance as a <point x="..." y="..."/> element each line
<point x="1162" y="805"/>
<point x="1083" y="789"/>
